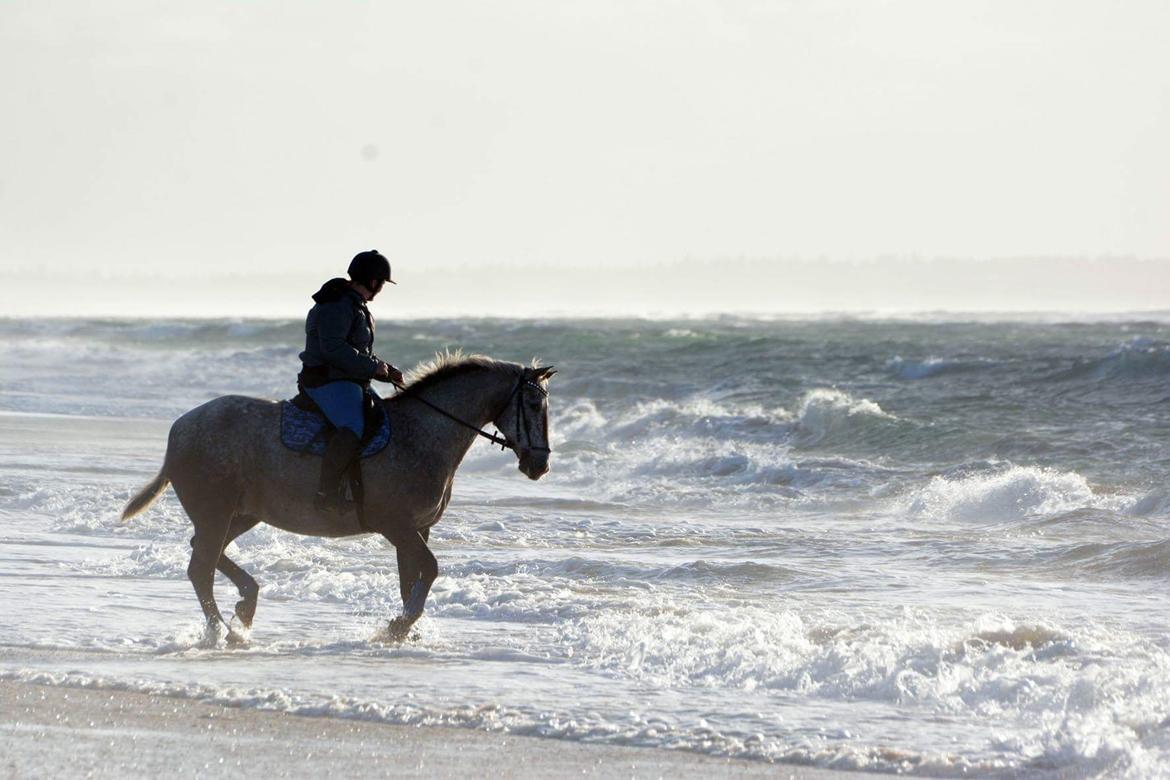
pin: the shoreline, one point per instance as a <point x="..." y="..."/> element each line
<point x="55" y="731"/>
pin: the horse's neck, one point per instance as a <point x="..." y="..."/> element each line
<point x="475" y="399"/>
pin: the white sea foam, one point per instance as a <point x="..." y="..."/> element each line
<point x="633" y="727"/>
<point x="578" y="419"/>
<point x="1011" y="494"/>
<point x="1039" y="681"/>
<point x="1047" y="687"/>
<point x="710" y="451"/>
<point x="826" y="414"/>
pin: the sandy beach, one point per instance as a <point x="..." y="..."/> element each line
<point x="71" y="732"/>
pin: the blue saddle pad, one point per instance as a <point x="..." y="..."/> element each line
<point x="305" y="431"/>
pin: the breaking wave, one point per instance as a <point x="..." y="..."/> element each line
<point x="1012" y="494"/>
<point x="828" y="415"/>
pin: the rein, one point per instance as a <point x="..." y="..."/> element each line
<point x="497" y="439"/>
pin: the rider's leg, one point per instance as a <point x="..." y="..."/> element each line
<point x="342" y="404"/>
<point x="343" y="447"/>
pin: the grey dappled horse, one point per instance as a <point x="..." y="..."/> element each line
<point x="231" y="472"/>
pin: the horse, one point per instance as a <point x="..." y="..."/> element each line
<point x="231" y="472"/>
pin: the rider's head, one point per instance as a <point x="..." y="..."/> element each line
<point x="370" y="270"/>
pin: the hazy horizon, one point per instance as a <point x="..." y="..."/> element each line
<point x="734" y="286"/>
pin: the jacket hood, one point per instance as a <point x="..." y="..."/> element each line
<point x="331" y="291"/>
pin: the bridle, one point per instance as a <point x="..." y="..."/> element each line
<point x="522" y="415"/>
<point x="501" y="440"/>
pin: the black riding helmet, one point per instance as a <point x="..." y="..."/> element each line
<point x="370" y="267"/>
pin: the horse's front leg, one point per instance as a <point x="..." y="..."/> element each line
<point x="408" y="573"/>
<point x="417" y="570"/>
<point x="410" y="566"/>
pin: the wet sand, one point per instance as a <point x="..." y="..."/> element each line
<point x="49" y="731"/>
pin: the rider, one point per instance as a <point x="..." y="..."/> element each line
<point x="339" y="362"/>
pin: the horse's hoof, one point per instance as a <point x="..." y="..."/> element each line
<point x="398" y="629"/>
<point x="236" y="639"/>
<point x="245" y="612"/>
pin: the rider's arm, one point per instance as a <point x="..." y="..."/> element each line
<point x="333" y="323"/>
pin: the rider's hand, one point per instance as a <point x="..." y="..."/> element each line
<point x="388" y="373"/>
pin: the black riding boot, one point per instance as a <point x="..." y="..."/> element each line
<point x="339" y="453"/>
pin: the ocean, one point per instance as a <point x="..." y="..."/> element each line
<point x="935" y="546"/>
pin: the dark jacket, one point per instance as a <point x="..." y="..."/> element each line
<point x="339" y="337"/>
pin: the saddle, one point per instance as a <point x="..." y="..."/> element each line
<point x="304" y="429"/>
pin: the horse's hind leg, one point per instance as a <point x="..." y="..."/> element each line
<point x="206" y="548"/>
<point x="249" y="590"/>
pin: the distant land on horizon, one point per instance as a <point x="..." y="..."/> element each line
<point x="759" y="286"/>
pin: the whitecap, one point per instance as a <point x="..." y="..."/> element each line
<point x="824" y="413"/>
<point x="1008" y="495"/>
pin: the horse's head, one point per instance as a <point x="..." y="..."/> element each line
<point x="524" y="421"/>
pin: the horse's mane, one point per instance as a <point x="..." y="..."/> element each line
<point x="447" y="364"/>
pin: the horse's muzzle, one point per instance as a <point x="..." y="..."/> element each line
<point x="533" y="464"/>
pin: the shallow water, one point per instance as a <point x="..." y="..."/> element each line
<point x="931" y="547"/>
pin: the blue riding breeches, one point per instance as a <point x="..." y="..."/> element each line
<point x="341" y="402"/>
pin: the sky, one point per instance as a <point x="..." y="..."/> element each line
<point x="225" y="158"/>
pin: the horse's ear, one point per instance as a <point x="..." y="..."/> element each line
<point x="544" y="372"/>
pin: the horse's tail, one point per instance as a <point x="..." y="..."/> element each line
<point x="143" y="498"/>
